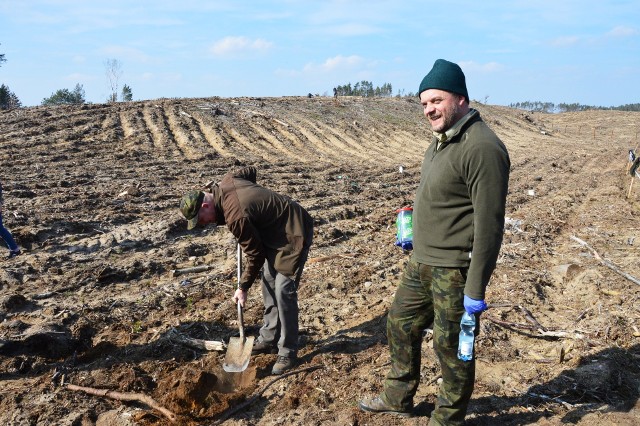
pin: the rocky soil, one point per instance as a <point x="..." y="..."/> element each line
<point x="98" y="300"/>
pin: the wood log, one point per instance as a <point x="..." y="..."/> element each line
<point x="191" y="270"/>
<point x="204" y="345"/>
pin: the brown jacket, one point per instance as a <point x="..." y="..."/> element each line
<point x="264" y="223"/>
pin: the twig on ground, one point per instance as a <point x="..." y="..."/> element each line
<point x="433" y="380"/>
<point x="332" y="256"/>
<point x="251" y="400"/>
<point x="386" y="364"/>
<point x="126" y="396"/>
<point x="535" y="325"/>
<point x="548" y="398"/>
<point x="605" y="262"/>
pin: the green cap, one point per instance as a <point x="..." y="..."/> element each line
<point x="190" y="205"/>
<point x="445" y="76"/>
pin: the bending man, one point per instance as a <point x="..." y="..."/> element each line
<point x="275" y="234"/>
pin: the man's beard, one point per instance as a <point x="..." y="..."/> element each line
<point x="449" y="118"/>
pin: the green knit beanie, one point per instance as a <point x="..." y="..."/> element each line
<point x="447" y="76"/>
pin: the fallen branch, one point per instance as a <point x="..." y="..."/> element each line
<point x="201" y="268"/>
<point x="251" y="400"/>
<point x="554" y="399"/>
<point x="63" y="290"/>
<point x="206" y="345"/>
<point x="120" y="396"/>
<point x="535" y="325"/>
<point x="528" y="315"/>
<point x="541" y="332"/>
<point x="605" y="262"/>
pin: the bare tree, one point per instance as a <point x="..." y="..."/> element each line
<point x="113" y="69"/>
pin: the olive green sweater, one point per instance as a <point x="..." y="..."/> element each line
<point x="458" y="216"/>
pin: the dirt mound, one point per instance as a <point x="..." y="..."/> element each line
<point x="100" y="295"/>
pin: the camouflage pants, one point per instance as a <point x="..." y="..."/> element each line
<point x="426" y="295"/>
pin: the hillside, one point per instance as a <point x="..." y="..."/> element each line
<point x="91" y="193"/>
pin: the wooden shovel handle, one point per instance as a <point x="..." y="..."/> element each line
<point x="240" y="315"/>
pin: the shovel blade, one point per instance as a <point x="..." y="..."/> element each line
<point x="238" y="354"/>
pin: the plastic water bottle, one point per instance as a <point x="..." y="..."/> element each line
<point x="465" y="342"/>
<point x="404" y="226"/>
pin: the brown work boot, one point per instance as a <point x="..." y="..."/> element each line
<point x="262" y="347"/>
<point x="283" y="363"/>
<point x="377" y="405"/>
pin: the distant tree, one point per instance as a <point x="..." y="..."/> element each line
<point x="127" y="94"/>
<point x="536" y="106"/>
<point x="364" y="88"/>
<point x="66" y="97"/>
<point x="113" y="69"/>
<point x="2" y="59"/>
<point x="628" y="107"/>
<point x="8" y="99"/>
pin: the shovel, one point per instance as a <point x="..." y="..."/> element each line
<point x="239" y="348"/>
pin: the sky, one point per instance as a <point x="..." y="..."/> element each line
<point x="560" y="51"/>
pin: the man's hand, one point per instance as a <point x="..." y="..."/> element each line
<point x="473" y="306"/>
<point x="240" y="296"/>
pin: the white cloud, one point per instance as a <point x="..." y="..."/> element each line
<point x="335" y="63"/>
<point x="622" y="31"/>
<point x="232" y="46"/>
<point x="341" y="67"/>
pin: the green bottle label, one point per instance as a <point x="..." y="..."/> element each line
<point x="404" y="224"/>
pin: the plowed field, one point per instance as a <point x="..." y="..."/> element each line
<point x="103" y="296"/>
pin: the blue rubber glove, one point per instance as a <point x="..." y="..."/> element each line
<point x="474" y="306"/>
<point x="407" y="245"/>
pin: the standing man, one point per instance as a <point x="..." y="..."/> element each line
<point x="6" y="236"/>
<point x="458" y="220"/>
<point x="275" y="234"/>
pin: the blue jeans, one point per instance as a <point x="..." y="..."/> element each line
<point x="7" y="237"/>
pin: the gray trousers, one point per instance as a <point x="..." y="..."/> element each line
<point x="280" y="297"/>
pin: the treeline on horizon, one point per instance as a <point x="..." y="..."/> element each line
<point x="550" y="107"/>
<point x="364" y="88"/>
